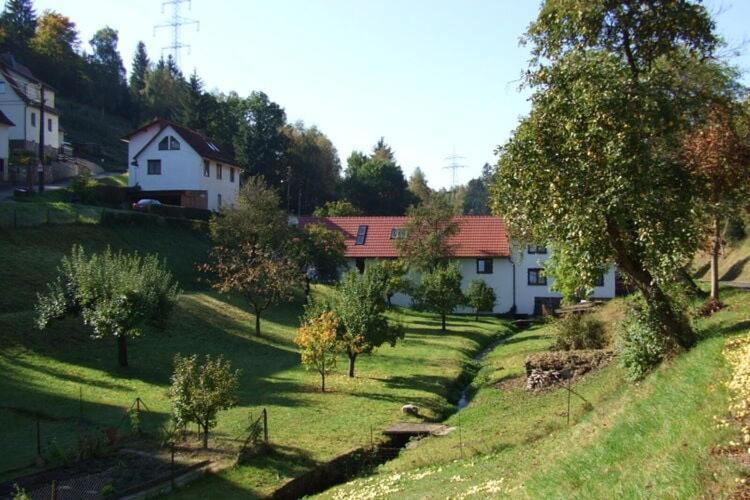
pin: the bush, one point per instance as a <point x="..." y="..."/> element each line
<point x="735" y="229"/>
<point x="640" y="345"/>
<point x="578" y="331"/>
<point x="481" y="297"/>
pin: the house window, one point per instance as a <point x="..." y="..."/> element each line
<point x="231" y="174"/>
<point x="599" y="281"/>
<point x="484" y="266"/>
<point x="164" y="144"/>
<point x="33" y="119"/>
<point x="206" y="168"/>
<point x="174" y="144"/>
<point x="49" y="124"/>
<point x="537" y="249"/>
<point x="398" y="233"/>
<point x="218" y="170"/>
<point x="537" y="277"/>
<point x="218" y="200"/>
<point x="154" y="167"/>
<point x="361" y="235"/>
<point x="2" y="87"/>
<point x="168" y="143"/>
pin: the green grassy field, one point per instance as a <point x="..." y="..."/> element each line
<point x="45" y="373"/>
<point x="651" y="439"/>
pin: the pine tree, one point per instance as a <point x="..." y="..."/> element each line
<point x="18" y="23"/>
<point x="195" y="110"/>
<point x="140" y="68"/>
<point x="383" y="151"/>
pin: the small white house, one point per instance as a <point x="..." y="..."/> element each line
<point x="482" y="249"/>
<point x="179" y="166"/>
<point x="20" y="101"/>
<point x="5" y="125"/>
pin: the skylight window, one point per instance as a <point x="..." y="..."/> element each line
<point x="361" y="234"/>
<point x="213" y="146"/>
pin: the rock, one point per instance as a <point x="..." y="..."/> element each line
<point x="410" y="409"/>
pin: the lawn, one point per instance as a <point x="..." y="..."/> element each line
<point x="60" y="375"/>
<point x="634" y="441"/>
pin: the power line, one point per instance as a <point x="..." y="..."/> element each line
<point x="176" y="22"/>
<point x="454" y="165"/>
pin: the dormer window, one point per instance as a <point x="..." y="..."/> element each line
<point x="169" y="143"/>
<point x="398" y="233"/>
<point x="361" y="234"/>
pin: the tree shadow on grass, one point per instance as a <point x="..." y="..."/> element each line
<point x="735" y="270"/>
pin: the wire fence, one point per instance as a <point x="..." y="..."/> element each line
<point x="15" y="215"/>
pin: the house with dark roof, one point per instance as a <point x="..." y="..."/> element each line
<point x="482" y="249"/>
<point x="179" y="166"/>
<point x="29" y="104"/>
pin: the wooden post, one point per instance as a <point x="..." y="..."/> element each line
<point x="265" y="425"/>
<point x="53" y="488"/>
<point x="570" y="377"/>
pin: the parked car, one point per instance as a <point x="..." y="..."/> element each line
<point x="145" y="203"/>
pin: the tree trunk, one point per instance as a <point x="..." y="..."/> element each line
<point x="673" y="324"/>
<point x="476" y="318"/>
<point x="257" y="319"/>
<point x="205" y="437"/>
<point x="307" y="286"/>
<point x="352" y="359"/>
<point x="715" y="250"/>
<point x="442" y="321"/>
<point x="322" y="382"/>
<point x="122" y="350"/>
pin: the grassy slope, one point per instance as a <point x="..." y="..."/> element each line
<point x="44" y="371"/>
<point x="734" y="264"/>
<point x="638" y="441"/>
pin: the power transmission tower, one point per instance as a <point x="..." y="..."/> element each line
<point x="175" y="24"/>
<point x="454" y="165"/>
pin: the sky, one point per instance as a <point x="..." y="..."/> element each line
<point x="433" y="77"/>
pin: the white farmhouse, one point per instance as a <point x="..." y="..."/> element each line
<point x="5" y="125"/>
<point x="482" y="249"/>
<point x="20" y="101"/>
<point x="179" y="166"/>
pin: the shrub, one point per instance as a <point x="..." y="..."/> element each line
<point x="81" y="185"/>
<point x="735" y="229"/>
<point x="480" y="296"/>
<point x="578" y="331"/>
<point x="640" y="344"/>
<point x="317" y="339"/>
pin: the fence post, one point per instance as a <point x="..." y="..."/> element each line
<point x="171" y="465"/>
<point x="569" y="379"/>
<point x="265" y="425"/>
<point x="53" y="488"/>
<point x="80" y="404"/>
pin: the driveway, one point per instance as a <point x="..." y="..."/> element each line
<point x="7" y="191"/>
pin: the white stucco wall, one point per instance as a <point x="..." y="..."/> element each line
<point x="180" y="170"/>
<point x="20" y="114"/>
<point x="501" y="281"/>
<point x="51" y="138"/>
<point x="4" y="137"/>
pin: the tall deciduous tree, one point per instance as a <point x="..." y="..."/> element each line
<point x="718" y="153"/>
<point x="360" y="304"/>
<point x="338" y="208"/>
<point x="596" y="165"/>
<point x="107" y="73"/>
<point x="260" y="143"/>
<point x="418" y="185"/>
<point x="54" y="50"/>
<point x="114" y="293"/>
<point x="376" y="185"/>
<point x="429" y="227"/>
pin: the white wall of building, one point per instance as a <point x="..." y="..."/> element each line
<point x="15" y="108"/>
<point x="501" y="281"/>
<point x="4" y="138"/>
<point x="181" y="169"/>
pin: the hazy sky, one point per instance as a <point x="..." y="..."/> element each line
<point x="428" y="75"/>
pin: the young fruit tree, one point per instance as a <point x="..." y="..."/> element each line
<point x="262" y="277"/>
<point x="480" y="296"/>
<point x="596" y="165"/>
<point x="200" y="391"/>
<point x="360" y="305"/>
<point x="394" y="271"/>
<point x="116" y="294"/>
<point x="317" y="338"/>
<point x="319" y="251"/>
<point x="440" y="291"/>
<point x="718" y="154"/>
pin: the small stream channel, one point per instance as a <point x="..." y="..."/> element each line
<point x="467" y="392"/>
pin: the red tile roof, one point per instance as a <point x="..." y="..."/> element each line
<point x="477" y="236"/>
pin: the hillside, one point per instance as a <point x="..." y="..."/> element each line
<point x="734" y="264"/>
<point x="650" y="439"/>
<point x="95" y="135"/>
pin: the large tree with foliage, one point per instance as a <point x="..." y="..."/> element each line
<point x="376" y="184"/>
<point x="596" y="164"/>
<point x="426" y="244"/>
<point x="17" y="26"/>
<point x="116" y="294"/>
<point x="718" y="153"/>
<point x="418" y="185"/>
<point x="360" y="305"/>
<point x="260" y="143"/>
<point x="199" y="391"/>
<point x="107" y="73"/>
<point x="338" y="208"/>
<point x="54" y="49"/>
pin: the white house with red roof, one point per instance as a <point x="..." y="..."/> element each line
<point x="179" y="166"/>
<point x="482" y="249"/>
